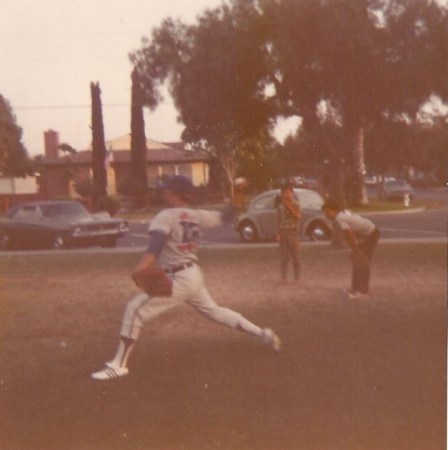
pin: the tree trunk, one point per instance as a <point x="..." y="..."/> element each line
<point x="380" y="186"/>
<point x="226" y="157"/>
<point x="229" y="170"/>
<point x="360" y="193"/>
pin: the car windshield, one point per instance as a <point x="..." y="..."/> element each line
<point x="64" y="209"/>
<point x="310" y="200"/>
<point x="264" y="202"/>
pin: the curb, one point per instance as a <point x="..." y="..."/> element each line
<point x="395" y="211"/>
<point x="217" y="246"/>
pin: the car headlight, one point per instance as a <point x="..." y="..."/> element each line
<point x="123" y="226"/>
<point x="77" y="231"/>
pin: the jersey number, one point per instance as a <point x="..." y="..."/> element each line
<point x="190" y="231"/>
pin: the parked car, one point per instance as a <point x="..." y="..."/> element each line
<point x="397" y="189"/>
<point x="259" y="221"/>
<point x="371" y="180"/>
<point x="58" y="224"/>
<point x="310" y="183"/>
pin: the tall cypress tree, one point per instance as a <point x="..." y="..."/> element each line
<point x="98" y="145"/>
<point x="138" y="138"/>
<point x="14" y="160"/>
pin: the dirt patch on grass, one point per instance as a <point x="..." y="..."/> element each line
<point x="353" y="375"/>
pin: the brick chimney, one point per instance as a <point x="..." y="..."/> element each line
<point x="51" y="139"/>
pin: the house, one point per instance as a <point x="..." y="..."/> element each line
<point x="18" y="186"/>
<point x="16" y="190"/>
<point x="59" y="173"/>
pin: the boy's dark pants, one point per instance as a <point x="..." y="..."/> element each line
<point x="289" y="249"/>
<point x="361" y="269"/>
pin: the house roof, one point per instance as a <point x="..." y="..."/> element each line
<point x="156" y="152"/>
<point x="124" y="143"/>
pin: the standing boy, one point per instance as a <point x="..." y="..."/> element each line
<point x="288" y="222"/>
<point x="173" y="234"/>
<point x="362" y="235"/>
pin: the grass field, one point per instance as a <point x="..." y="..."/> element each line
<point x="358" y="375"/>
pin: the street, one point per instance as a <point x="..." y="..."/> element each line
<point x="393" y="225"/>
<point x="426" y="224"/>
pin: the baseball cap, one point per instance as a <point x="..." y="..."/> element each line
<point x="178" y="184"/>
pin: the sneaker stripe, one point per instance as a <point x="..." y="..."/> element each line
<point x="111" y="373"/>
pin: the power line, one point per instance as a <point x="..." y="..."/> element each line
<point x="118" y="105"/>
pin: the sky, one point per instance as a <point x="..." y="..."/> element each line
<point x="52" y="49"/>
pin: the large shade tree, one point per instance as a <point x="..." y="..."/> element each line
<point x="14" y="160"/>
<point x="214" y="71"/>
<point x="343" y="66"/>
<point x="352" y="63"/>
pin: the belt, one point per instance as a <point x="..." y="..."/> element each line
<point x="175" y="269"/>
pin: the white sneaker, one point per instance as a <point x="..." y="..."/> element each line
<point x="271" y="339"/>
<point x="110" y="373"/>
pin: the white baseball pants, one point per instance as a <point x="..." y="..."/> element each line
<point x="188" y="287"/>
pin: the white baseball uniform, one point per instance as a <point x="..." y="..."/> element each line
<point x="360" y="226"/>
<point x="182" y="226"/>
<point x="174" y="233"/>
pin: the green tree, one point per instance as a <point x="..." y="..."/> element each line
<point x="14" y="160"/>
<point x="343" y="66"/>
<point x="386" y="147"/>
<point x="67" y="148"/>
<point x="256" y="161"/>
<point x="213" y="70"/>
<point x="138" y="138"/>
<point x="429" y="146"/>
<point x="98" y="145"/>
<point x="352" y="62"/>
<point x="437" y="144"/>
<point x="299" y="155"/>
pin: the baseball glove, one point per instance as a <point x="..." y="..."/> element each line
<point x="154" y="281"/>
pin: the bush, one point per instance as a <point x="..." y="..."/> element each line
<point x="109" y="203"/>
<point x="132" y="187"/>
<point x="84" y="187"/>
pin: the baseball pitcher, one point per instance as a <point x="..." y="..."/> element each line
<point x="168" y="274"/>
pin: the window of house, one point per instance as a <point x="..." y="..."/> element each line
<point x="167" y="170"/>
<point x="185" y="170"/>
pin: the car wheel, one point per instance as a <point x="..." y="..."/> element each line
<point x="4" y="241"/>
<point x="318" y="231"/>
<point x="57" y="242"/>
<point x="248" y="232"/>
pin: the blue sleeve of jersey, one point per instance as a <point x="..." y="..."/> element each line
<point x="157" y="240"/>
